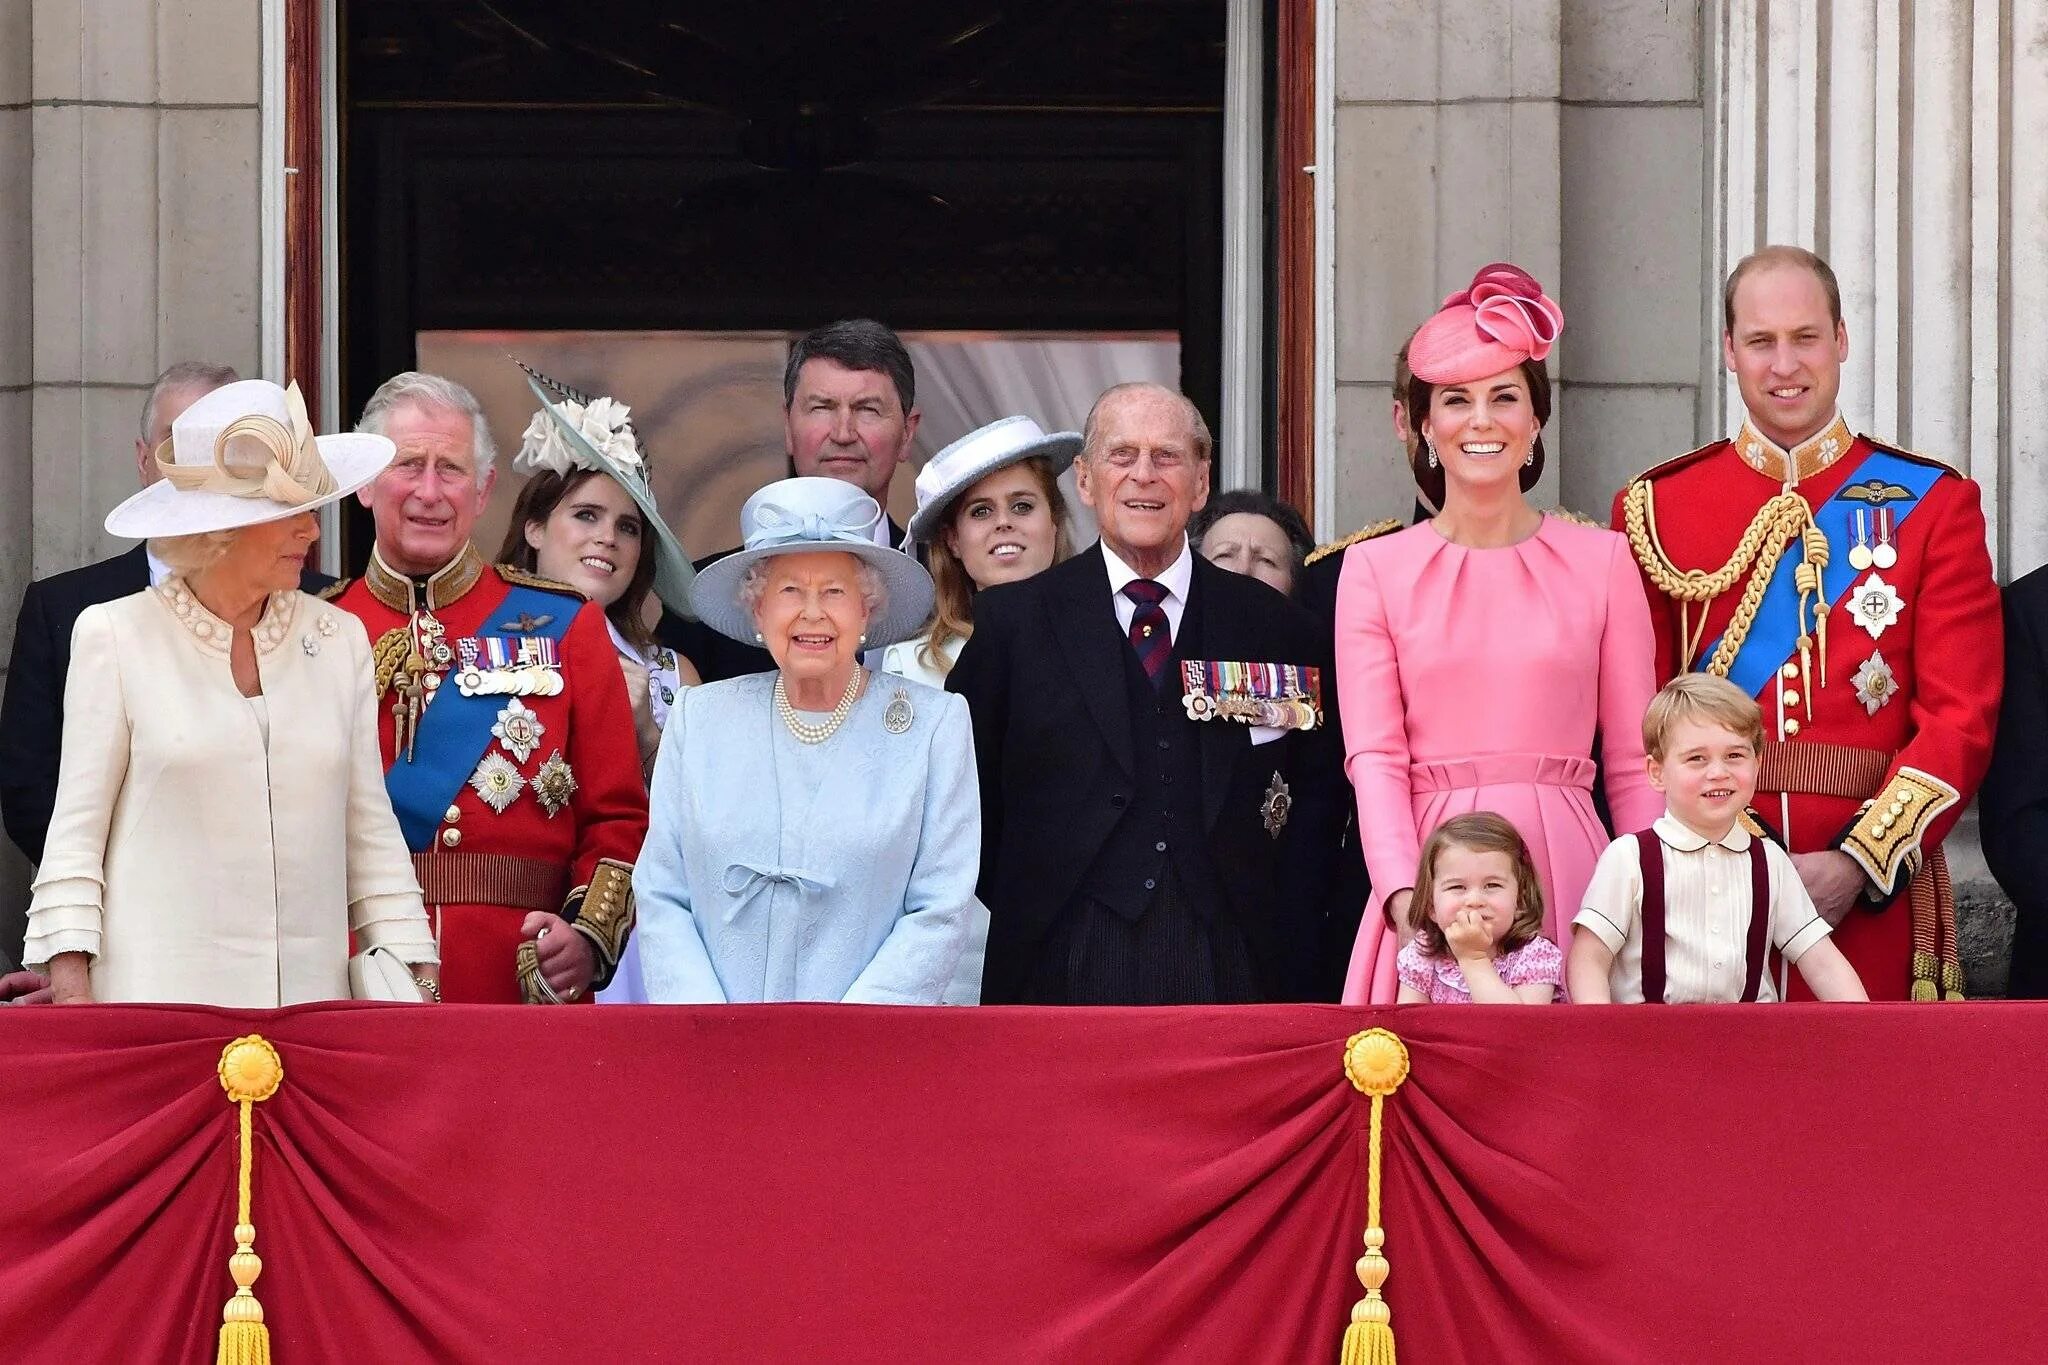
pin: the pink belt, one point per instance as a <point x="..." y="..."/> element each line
<point x="1502" y="770"/>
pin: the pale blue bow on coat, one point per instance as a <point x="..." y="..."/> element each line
<point x="745" y="881"/>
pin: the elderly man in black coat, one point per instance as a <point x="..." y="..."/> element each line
<point x="1140" y="847"/>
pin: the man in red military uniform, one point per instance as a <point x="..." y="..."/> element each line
<point x="1846" y="585"/>
<point x="506" y="730"/>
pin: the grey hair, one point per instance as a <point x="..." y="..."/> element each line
<point x="424" y="390"/>
<point x="1198" y="426"/>
<point x="194" y="553"/>
<point x="874" y="593"/>
<point x="203" y="375"/>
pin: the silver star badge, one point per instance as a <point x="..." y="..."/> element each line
<point x="518" y="729"/>
<point x="1875" y="683"/>
<point x="497" y="782"/>
<point x="1875" y="605"/>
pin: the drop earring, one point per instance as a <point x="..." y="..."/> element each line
<point x="1530" y="458"/>
<point x="1430" y="446"/>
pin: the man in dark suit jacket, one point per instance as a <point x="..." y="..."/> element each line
<point x="2013" y="802"/>
<point x="32" y="712"/>
<point x="849" y="411"/>
<point x="1130" y="853"/>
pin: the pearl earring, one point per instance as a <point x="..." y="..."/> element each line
<point x="760" y="639"/>
<point x="863" y="637"/>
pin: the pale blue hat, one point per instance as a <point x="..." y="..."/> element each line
<point x="802" y="516"/>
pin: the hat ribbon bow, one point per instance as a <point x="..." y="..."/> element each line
<point x="775" y="524"/>
<point x="292" y="471"/>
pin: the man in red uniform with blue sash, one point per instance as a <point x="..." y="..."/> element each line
<point x="506" y="730"/>
<point x="1846" y="584"/>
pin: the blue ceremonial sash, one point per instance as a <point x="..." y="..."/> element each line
<point x="455" y="730"/>
<point x="1774" y="635"/>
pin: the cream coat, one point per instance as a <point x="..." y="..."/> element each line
<point x="194" y="860"/>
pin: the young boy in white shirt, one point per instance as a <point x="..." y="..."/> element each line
<point x="1686" y="911"/>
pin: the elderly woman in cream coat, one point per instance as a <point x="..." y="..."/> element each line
<point x="816" y="831"/>
<point x="221" y="825"/>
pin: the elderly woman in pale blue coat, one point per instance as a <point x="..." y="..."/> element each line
<point x="816" y="831"/>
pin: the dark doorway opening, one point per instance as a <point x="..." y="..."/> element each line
<point x="619" y="165"/>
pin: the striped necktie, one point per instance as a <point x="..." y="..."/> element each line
<point x="1151" y="634"/>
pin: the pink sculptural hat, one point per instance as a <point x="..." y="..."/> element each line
<point x="1502" y="319"/>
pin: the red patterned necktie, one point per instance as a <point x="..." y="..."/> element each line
<point x="1151" y="635"/>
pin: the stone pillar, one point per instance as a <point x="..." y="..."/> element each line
<point x="16" y="374"/>
<point x="1447" y="157"/>
<point x="1884" y="137"/>
<point x="1633" y="287"/>
<point x="131" y="127"/>
<point x="1565" y="135"/>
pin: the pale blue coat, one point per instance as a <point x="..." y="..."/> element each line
<point x="777" y="870"/>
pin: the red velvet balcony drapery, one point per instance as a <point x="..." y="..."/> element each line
<point x="1783" y="1183"/>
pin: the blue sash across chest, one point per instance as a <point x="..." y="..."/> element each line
<point x="455" y="730"/>
<point x="1774" y="637"/>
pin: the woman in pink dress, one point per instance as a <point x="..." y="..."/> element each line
<point x="1481" y="652"/>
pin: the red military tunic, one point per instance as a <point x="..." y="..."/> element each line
<point x="1877" y="751"/>
<point x="554" y="813"/>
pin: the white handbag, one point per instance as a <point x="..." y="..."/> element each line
<point x="377" y="974"/>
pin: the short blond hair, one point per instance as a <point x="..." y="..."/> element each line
<point x="1701" y="697"/>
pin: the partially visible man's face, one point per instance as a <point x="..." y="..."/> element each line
<point x="1786" y="352"/>
<point x="1142" y="478"/>
<point x="427" y="499"/>
<point x="848" y="424"/>
<point x="170" y="405"/>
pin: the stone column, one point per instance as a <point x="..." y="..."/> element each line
<point x="16" y="373"/>
<point x="1447" y="157"/>
<point x="1884" y="137"/>
<point x="131" y="129"/>
<point x="1564" y="135"/>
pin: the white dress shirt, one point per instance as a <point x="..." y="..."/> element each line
<point x="1176" y="578"/>
<point x="1706" y="914"/>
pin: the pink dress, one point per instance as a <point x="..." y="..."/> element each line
<point x="1443" y="980"/>
<point x="1477" y="680"/>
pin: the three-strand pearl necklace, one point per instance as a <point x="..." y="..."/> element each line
<point x="808" y="733"/>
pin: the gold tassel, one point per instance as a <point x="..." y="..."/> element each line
<point x="250" y="1072"/>
<point x="1377" y="1063"/>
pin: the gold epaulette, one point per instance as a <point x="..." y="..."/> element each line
<point x="1896" y="449"/>
<point x="334" y="589"/>
<point x="1566" y="514"/>
<point x="522" y="578"/>
<point x="1377" y="529"/>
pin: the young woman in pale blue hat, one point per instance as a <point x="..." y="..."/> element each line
<point x="989" y="511"/>
<point x="587" y="517"/>
<point x="815" y="832"/>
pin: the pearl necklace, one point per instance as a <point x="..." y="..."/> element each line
<point x="808" y="733"/>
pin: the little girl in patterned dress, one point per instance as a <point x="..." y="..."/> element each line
<point x="1477" y="914"/>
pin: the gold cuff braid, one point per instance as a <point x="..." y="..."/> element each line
<point x="605" y="915"/>
<point x="1885" y="840"/>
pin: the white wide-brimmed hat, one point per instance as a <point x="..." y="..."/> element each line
<point x="981" y="452"/>
<point x="242" y="455"/>
<point x="576" y="431"/>
<point x="803" y="516"/>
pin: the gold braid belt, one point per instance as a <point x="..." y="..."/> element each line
<point x="1778" y="523"/>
